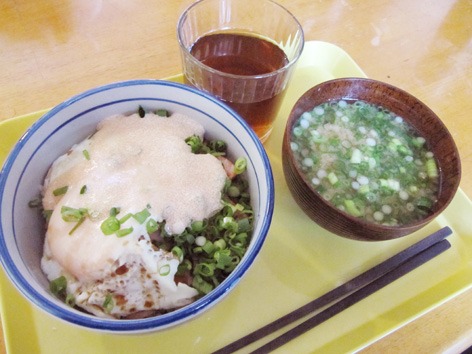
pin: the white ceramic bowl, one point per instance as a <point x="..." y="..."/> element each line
<point x="21" y="230"/>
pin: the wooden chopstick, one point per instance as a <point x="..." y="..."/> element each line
<point x="410" y="257"/>
<point x="357" y="296"/>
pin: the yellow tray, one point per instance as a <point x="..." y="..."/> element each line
<point x="299" y="262"/>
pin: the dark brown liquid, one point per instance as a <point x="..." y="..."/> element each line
<point x="245" y="55"/>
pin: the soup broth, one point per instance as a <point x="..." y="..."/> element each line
<point x="367" y="161"/>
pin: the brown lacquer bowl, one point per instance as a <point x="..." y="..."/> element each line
<point x="414" y="112"/>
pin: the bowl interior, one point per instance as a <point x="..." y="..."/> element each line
<point x="414" y="112"/>
<point x="21" y="229"/>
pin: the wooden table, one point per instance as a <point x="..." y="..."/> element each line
<point x="51" y="50"/>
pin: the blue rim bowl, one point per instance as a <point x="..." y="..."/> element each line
<point x="21" y="231"/>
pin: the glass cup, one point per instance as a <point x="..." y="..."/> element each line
<point x="243" y="52"/>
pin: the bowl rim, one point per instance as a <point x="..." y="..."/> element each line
<point x="366" y="224"/>
<point x="154" y="323"/>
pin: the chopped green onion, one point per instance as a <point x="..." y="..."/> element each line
<point x="125" y="218"/>
<point x="220" y="244"/>
<point x="218" y="146"/>
<point x="184" y="266"/>
<point x="86" y="154"/>
<point x="83" y="189"/>
<point x="201" y="285"/>
<point x="47" y="215"/>
<point x="240" y="165"/>
<point x="351" y="208"/>
<point x="244" y="225"/>
<point x="108" y="303"/>
<point x="60" y="191"/>
<point x="35" y="203"/>
<point x="124" y="232"/>
<point x="431" y="168"/>
<point x="141" y="112"/>
<point x="72" y="215"/>
<point x="233" y="191"/>
<point x="208" y="247"/>
<point x="195" y="143"/>
<point x="223" y="259"/>
<point x="177" y="251"/>
<point x="162" y="113"/>
<point x="114" y="211"/>
<point x="424" y="204"/>
<point x="142" y="215"/>
<point x="197" y="226"/>
<point x="77" y="225"/>
<point x="205" y="269"/>
<point x="164" y="270"/>
<point x="110" y="225"/>
<point x="70" y="300"/>
<point x="58" y="286"/>
<point x="228" y="223"/>
<point x="151" y="226"/>
<point x="332" y="178"/>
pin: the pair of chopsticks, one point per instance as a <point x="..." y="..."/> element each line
<point x="346" y="294"/>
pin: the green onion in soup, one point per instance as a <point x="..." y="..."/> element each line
<point x="367" y="161"/>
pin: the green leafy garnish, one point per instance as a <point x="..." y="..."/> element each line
<point x="110" y="225"/>
<point x="60" y="191"/>
<point x="142" y="215"/>
<point x="58" y="286"/>
<point x="141" y="112"/>
<point x="86" y="154"/>
<point x="108" y="303"/>
<point x="124" y="232"/>
<point x="76" y="215"/>
<point x="162" y="113"/>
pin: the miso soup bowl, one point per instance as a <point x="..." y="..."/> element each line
<point x="22" y="230"/>
<point x="414" y="112"/>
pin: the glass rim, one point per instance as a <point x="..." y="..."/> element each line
<point x="194" y="60"/>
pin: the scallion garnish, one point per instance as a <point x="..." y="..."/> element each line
<point x="47" y="215"/>
<point x="125" y="218"/>
<point x="195" y="143"/>
<point x="151" y="226"/>
<point x="58" y="286"/>
<point x="77" y="225"/>
<point x="114" y="211"/>
<point x="83" y="189"/>
<point x="124" y="232"/>
<point x="162" y="113"/>
<point x="60" y="191"/>
<point x="205" y="269"/>
<point x="142" y="215"/>
<point x="141" y="112"/>
<point x="240" y="165"/>
<point x="177" y="251"/>
<point x="35" y="203"/>
<point x="108" y="303"/>
<point x="72" y="214"/>
<point x="201" y="285"/>
<point x="223" y="259"/>
<point x="86" y="154"/>
<point x="70" y="300"/>
<point x="164" y="270"/>
<point x="110" y="225"/>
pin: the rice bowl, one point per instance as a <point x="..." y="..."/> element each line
<point x="71" y="122"/>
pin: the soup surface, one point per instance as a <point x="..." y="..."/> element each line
<point x="367" y="161"/>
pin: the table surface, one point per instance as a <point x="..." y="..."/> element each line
<point x="51" y="50"/>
